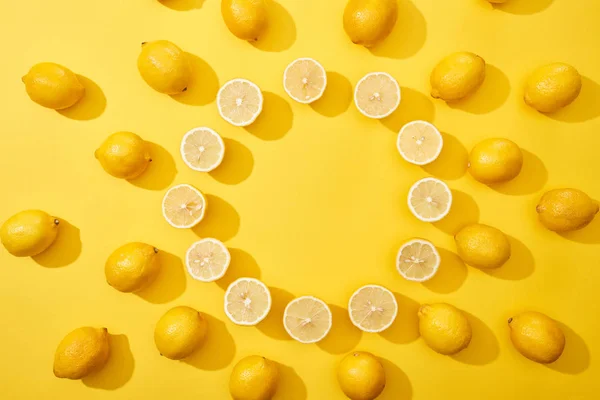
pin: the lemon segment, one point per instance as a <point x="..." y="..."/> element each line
<point x="240" y="102"/>
<point x="202" y="149"/>
<point x="418" y="260"/>
<point x="247" y="301"/>
<point x="429" y="199"/>
<point x="307" y="319"/>
<point x="377" y="95"/>
<point x="372" y="308"/>
<point x="207" y="260"/>
<point x="183" y="206"/>
<point x="305" y="80"/>
<point x="419" y="142"/>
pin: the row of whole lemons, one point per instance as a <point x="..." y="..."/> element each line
<point x="372" y="308"/>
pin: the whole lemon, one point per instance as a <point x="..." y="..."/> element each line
<point x="368" y="22"/>
<point x="495" y="160"/>
<point x="444" y="328"/>
<point x="180" y="332"/>
<point x="81" y="352"/>
<point x="552" y="87"/>
<point x="29" y="232"/>
<point x="361" y="376"/>
<point x="482" y="246"/>
<point x="53" y="86"/>
<point x="563" y="210"/>
<point x="246" y="19"/>
<point x="537" y="336"/>
<point x="457" y="76"/>
<point x="132" y="267"/>
<point x="164" y="66"/>
<point x="254" y="378"/>
<point x="124" y="155"/>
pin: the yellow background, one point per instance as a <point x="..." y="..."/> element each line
<point x="310" y="199"/>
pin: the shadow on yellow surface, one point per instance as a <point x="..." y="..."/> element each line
<point x="484" y="347"/>
<point x="237" y="164"/>
<point x="275" y="120"/>
<point x="585" y="107"/>
<point x="408" y="35"/>
<point x="490" y="96"/>
<point x="204" y="85"/>
<point x="291" y="386"/>
<point x="160" y="172"/>
<point x="588" y="235"/>
<point x="220" y="222"/>
<point x="414" y="105"/>
<point x="452" y="161"/>
<point x="91" y="106"/>
<point x="343" y="336"/>
<point x="397" y="383"/>
<point x="118" y="369"/>
<point x="242" y="265"/>
<point x="218" y="349"/>
<point x="576" y="357"/>
<point x="182" y="5"/>
<point x="65" y="250"/>
<point x="170" y="282"/>
<point x="337" y="96"/>
<point x="450" y="276"/>
<point x="281" y="29"/>
<point x="405" y="329"/>
<point x="524" y="6"/>
<point x="531" y="179"/>
<point x="520" y="265"/>
<point x="272" y="326"/>
<point x="464" y="211"/>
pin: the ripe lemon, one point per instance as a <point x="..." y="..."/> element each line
<point x="132" y="267"/>
<point x="81" y="352"/>
<point x="180" y="332"/>
<point x="29" y="232"/>
<point x="457" y="76"/>
<point x="202" y="149"/>
<point x="307" y="319"/>
<point x="246" y="19"/>
<point x="124" y="155"/>
<point x="419" y="142"/>
<point x="240" y="102"/>
<point x="377" y="95"/>
<point x="418" y="260"/>
<point x="495" y="160"/>
<point x="361" y="376"/>
<point x="183" y="206"/>
<point x="368" y="22"/>
<point x="563" y="210"/>
<point x="207" y="260"/>
<point x="552" y="87"/>
<point x="247" y="301"/>
<point x="164" y="66"/>
<point x="537" y="336"/>
<point x="482" y="246"/>
<point x="254" y="378"/>
<point x="53" y="86"/>
<point x="444" y="328"/>
<point x="429" y="199"/>
<point x="372" y="308"/>
<point x="305" y="80"/>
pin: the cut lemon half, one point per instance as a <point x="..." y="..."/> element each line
<point x="429" y="199"/>
<point x="307" y="319"/>
<point x="419" y="142"/>
<point x="418" y="260"/>
<point x="183" y="206"/>
<point x="304" y="80"/>
<point x="240" y="102"/>
<point x="207" y="260"/>
<point x="247" y="301"/>
<point x="372" y="308"/>
<point x="377" y="95"/>
<point x="202" y="149"/>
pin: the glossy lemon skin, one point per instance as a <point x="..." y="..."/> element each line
<point x="81" y="352"/>
<point x="552" y="87"/>
<point x="180" y="332"/>
<point x="444" y="328"/>
<point x="124" y="155"/>
<point x="482" y="246"/>
<point x="28" y="233"/>
<point x="457" y="76"/>
<point x="537" y="336"/>
<point x="164" y="67"/>
<point x="495" y="160"/>
<point x="361" y="376"/>
<point x="132" y="267"/>
<point x="254" y="378"/>
<point x="53" y="86"/>
<point x="246" y="19"/>
<point x="368" y="22"/>
<point x="564" y="210"/>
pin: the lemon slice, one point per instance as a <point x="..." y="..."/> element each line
<point x="419" y="142"/>
<point x="418" y="260"/>
<point x="183" y="206"/>
<point x="247" y="301"/>
<point x="240" y="102"/>
<point x="307" y="319"/>
<point x="429" y="199"/>
<point x="372" y="308"/>
<point x="377" y="95"/>
<point x="304" y="80"/>
<point x="207" y="260"/>
<point x="202" y="149"/>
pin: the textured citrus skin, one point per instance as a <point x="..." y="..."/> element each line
<point x="53" y="86"/>
<point x="368" y="22"/>
<point x="495" y="160"/>
<point x="81" y="352"/>
<point x="361" y="376"/>
<point x="246" y="19"/>
<point x="29" y="232"/>
<point x="537" y="336"/>
<point x="180" y="332"/>
<point x="482" y="246"/>
<point x="254" y="378"/>
<point x="164" y="67"/>
<point x="563" y="210"/>
<point x="457" y="76"/>
<point x="552" y="87"/>
<point x="444" y="328"/>
<point x="132" y="267"/>
<point x="124" y="155"/>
